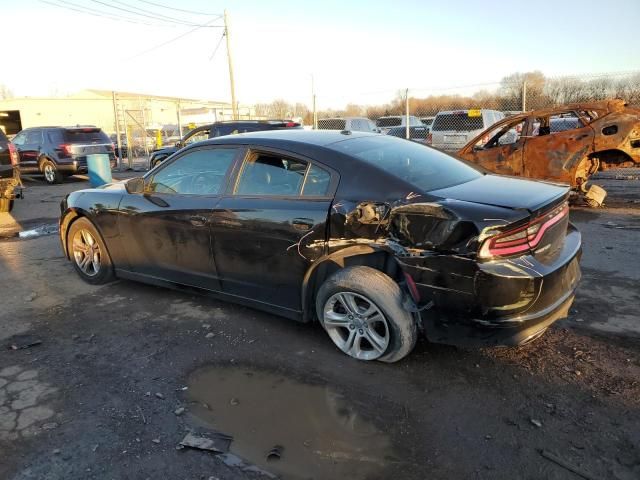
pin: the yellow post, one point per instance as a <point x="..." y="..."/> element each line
<point x="158" y="138"/>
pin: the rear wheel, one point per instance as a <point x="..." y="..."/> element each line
<point x="89" y="253"/>
<point x="361" y="310"/>
<point x="51" y="173"/>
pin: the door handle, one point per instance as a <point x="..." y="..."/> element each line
<point x="198" y="221"/>
<point x="302" y="223"/>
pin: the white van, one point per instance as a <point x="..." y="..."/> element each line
<point x="386" y="123"/>
<point x="453" y="129"/>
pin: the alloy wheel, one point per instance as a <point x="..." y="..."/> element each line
<point x="356" y="325"/>
<point x="49" y="173"/>
<point x="86" y="252"/>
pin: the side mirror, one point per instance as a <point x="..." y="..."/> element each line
<point x="135" y="185"/>
<point x="179" y="144"/>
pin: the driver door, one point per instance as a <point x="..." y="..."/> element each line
<point x="166" y="230"/>
<point x="502" y="151"/>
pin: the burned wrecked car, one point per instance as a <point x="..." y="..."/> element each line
<point x="375" y="237"/>
<point x="564" y="144"/>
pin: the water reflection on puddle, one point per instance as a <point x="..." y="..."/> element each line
<point x="321" y="434"/>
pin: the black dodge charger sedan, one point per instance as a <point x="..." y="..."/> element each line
<point x="375" y="237"/>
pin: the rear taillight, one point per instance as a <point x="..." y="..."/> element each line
<point x="66" y="149"/>
<point x="291" y="124"/>
<point x="522" y="239"/>
<point x="13" y="154"/>
<point x="429" y="138"/>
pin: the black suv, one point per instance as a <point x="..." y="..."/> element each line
<point x="9" y="174"/>
<point x="60" y="151"/>
<point x="219" y="129"/>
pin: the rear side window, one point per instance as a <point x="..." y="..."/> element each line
<point x="266" y="174"/>
<point x="55" y="137"/>
<point x="316" y="183"/>
<point x="331" y="124"/>
<point x="423" y="167"/>
<point x="86" y="135"/>
<point x="389" y="122"/>
<point x="459" y="122"/>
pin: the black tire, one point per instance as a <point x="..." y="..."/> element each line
<point x="385" y="294"/>
<point x="104" y="274"/>
<point x="6" y="205"/>
<point x="51" y="173"/>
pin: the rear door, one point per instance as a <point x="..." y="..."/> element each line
<point x="555" y="146"/>
<point x="6" y="168"/>
<point x="272" y="226"/>
<point x="167" y="229"/>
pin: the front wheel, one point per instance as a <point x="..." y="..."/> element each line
<point x="361" y="310"/>
<point x="89" y="253"/>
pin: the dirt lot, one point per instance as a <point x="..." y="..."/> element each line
<point x="125" y="371"/>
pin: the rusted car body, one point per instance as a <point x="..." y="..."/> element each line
<point x="564" y="144"/>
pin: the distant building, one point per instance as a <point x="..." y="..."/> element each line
<point x="135" y="111"/>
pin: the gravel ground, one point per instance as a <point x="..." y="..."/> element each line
<point x="103" y="395"/>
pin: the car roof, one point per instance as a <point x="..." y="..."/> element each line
<point x="320" y="138"/>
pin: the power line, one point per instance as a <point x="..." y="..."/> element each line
<point x="176" y="9"/>
<point x="159" y="15"/>
<point x="215" y="50"/>
<point x="101" y="14"/>
<point x="144" y="15"/>
<point x="167" y="42"/>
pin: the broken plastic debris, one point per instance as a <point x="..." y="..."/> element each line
<point x="18" y="342"/>
<point x="275" y="453"/>
<point x="216" y="442"/>
<point x="232" y="460"/>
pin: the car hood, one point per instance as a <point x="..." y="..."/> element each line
<point x="507" y="192"/>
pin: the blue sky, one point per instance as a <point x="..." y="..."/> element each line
<point x="360" y="51"/>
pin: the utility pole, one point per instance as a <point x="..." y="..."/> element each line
<point x="524" y="95"/>
<point x="117" y="120"/>
<point x="234" y="106"/>
<point x="406" y="100"/>
<point x="313" y="104"/>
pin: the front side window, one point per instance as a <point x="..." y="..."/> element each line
<point x="563" y="122"/>
<point x="504" y="135"/>
<point x="19" y="139"/>
<point x="197" y="137"/>
<point x="268" y="174"/>
<point x="198" y="172"/>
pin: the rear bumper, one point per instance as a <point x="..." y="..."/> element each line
<point x="79" y="164"/>
<point x="505" y="302"/>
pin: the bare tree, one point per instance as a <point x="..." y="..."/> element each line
<point x="5" y="92"/>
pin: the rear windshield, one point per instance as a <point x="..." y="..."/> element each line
<point x="331" y="124"/>
<point x="389" y="122"/>
<point x="86" y="136"/>
<point x="460" y="122"/>
<point x="423" y="167"/>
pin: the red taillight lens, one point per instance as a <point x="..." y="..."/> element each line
<point x="429" y="138"/>
<point x="13" y="154"/>
<point x="291" y="124"/>
<point x="524" y="238"/>
<point x="66" y="149"/>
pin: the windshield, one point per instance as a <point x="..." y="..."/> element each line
<point x="459" y="122"/>
<point x="332" y="124"/>
<point x="425" y="168"/>
<point x="389" y="122"/>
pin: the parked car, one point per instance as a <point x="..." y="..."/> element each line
<point x="219" y="129"/>
<point x="417" y="134"/>
<point x="563" y="144"/>
<point x="452" y="129"/>
<point x="369" y="234"/>
<point x="355" y="124"/>
<point x="10" y="186"/>
<point x="427" y="121"/>
<point x="385" y="123"/>
<point x="57" y="152"/>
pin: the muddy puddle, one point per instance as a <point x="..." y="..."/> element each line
<point x="291" y="429"/>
